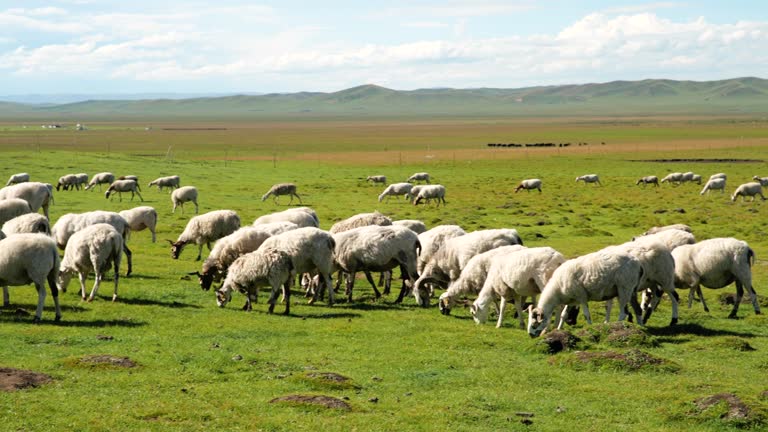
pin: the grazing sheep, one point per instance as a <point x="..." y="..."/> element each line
<point x="18" y="178"/>
<point x="432" y="240"/>
<point x="377" y="179"/>
<point x="416" y="226"/>
<point x="282" y="189"/>
<point x="589" y="178"/>
<point x="396" y="189"/>
<point x="414" y="192"/>
<point x="718" y="175"/>
<point x="70" y="223"/>
<point x="446" y="265"/>
<point x="129" y="177"/>
<point x="30" y="258"/>
<point x="696" y="178"/>
<point x="513" y="278"/>
<point x="675" y="178"/>
<point x="716" y="263"/>
<point x="172" y="182"/>
<point x="529" y="185"/>
<point x="680" y="227"/>
<point x="436" y="192"/>
<point x="27" y="223"/>
<point x="38" y="195"/>
<point x="687" y="176"/>
<point x="226" y="250"/>
<point x="81" y="180"/>
<point x="714" y="184"/>
<point x="182" y="195"/>
<point x="671" y="238"/>
<point x="121" y="186"/>
<point x="419" y="176"/>
<point x="205" y="229"/>
<point x="262" y="267"/>
<point x="748" y="189"/>
<point x="648" y="180"/>
<point x="301" y="216"/>
<point x="762" y="180"/>
<point x="97" y="248"/>
<point x="13" y="207"/>
<point x="100" y="179"/>
<point x="594" y="277"/>
<point x="141" y="218"/>
<point x="66" y="181"/>
<point x="360" y="220"/>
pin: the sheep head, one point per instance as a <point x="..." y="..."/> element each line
<point x="537" y="322"/>
<point x="176" y="248"/>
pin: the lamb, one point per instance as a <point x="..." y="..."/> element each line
<point x="416" y="226"/>
<point x="262" y="267"/>
<point x="301" y="216"/>
<point x="675" y="178"/>
<point x="282" y="189"/>
<point x="97" y="248"/>
<point x="419" y="176"/>
<point x="171" y="182"/>
<point x="121" y="186"/>
<point x="38" y="195"/>
<point x="99" y="179"/>
<point x="513" y="278"/>
<point x="446" y="265"/>
<point x="597" y="276"/>
<point x="360" y="220"/>
<point x="716" y="263"/>
<point x="141" y="218"/>
<point x="589" y="178"/>
<point x="748" y="189"/>
<point x="436" y="192"/>
<point x="66" y="181"/>
<point x="27" y="223"/>
<point x="226" y="251"/>
<point x="13" y="207"/>
<point x="377" y="179"/>
<point x="529" y="185"/>
<point x="205" y="229"/>
<point x="30" y="258"/>
<point x="762" y="180"/>
<point x="182" y="195"/>
<point x="714" y="184"/>
<point x="648" y="180"/>
<point x="18" y="178"/>
<point x="396" y="189"/>
<point x="70" y="223"/>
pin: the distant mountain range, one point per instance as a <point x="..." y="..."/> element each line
<point x="646" y="97"/>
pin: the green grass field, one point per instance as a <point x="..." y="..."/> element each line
<point x="199" y="367"/>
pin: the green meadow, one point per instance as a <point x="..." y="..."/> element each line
<point x="200" y="367"/>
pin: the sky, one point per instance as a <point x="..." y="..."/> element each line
<point x="238" y="46"/>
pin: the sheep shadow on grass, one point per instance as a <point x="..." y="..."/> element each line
<point x="670" y="334"/>
<point x="147" y="302"/>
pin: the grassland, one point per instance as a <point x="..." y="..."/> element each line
<point x="204" y="368"/>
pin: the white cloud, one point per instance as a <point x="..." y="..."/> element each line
<point x="425" y="24"/>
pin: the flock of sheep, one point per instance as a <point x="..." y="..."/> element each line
<point x="413" y="193"/>
<point x="492" y="264"/>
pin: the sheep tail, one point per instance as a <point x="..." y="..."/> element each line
<point x="750" y="256"/>
<point x="418" y="248"/>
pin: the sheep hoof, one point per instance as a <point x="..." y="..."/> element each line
<point x="36" y="320"/>
<point x="673" y="322"/>
<point x="732" y="315"/>
<point x="58" y="318"/>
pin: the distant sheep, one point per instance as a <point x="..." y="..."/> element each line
<point x="18" y="178"/>
<point x="171" y="182"/>
<point x="748" y="189"/>
<point x="301" y="216"/>
<point x="262" y="267"/>
<point x="121" y="186"/>
<point x="377" y="179"/>
<point x="81" y="180"/>
<point x="38" y="195"/>
<point x="714" y="184"/>
<point x="419" y="176"/>
<point x="589" y="178"/>
<point x="30" y="258"/>
<point x="281" y="189"/>
<point x="396" y="189"/>
<point x="13" y="207"/>
<point x="529" y="185"/>
<point x="182" y="195"/>
<point x="27" y="223"/>
<point x="141" y="218"/>
<point x="100" y="179"/>
<point x="66" y="181"/>
<point x="762" y="180"/>
<point x="436" y="192"/>
<point x="97" y="248"/>
<point x="718" y="175"/>
<point x="205" y="229"/>
<point x="696" y="178"/>
<point x="675" y="178"/>
<point x="648" y="180"/>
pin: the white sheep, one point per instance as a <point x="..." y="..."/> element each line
<point x="38" y="195"/>
<point x="762" y="180"/>
<point x="226" y="250"/>
<point x="688" y="176"/>
<point x="696" y="178"/>
<point x="658" y="229"/>
<point x="377" y="179"/>
<point x="81" y="179"/>
<point x="13" y="207"/>
<point x="748" y="189"/>
<point x="18" y="178"/>
<point x="675" y="178"/>
<point x="27" y="223"/>
<point x="436" y="192"/>
<point x="66" y="181"/>
<point x="396" y="189"/>
<point x="513" y="278"/>
<point x="275" y="228"/>
<point x="718" y="175"/>
<point x="416" y="226"/>
<point x="593" y="277"/>
<point x="360" y="220"/>
<point x="648" y="180"/>
<point x="589" y="178"/>
<point x="141" y="218"/>
<point x="301" y="216"/>
<point x="30" y="258"/>
<point x="714" y="184"/>
<point x="262" y="267"/>
<point x="97" y="248"/>
<point x="171" y="182"/>
<point x="204" y="229"/>
<point x="716" y="263"/>
<point x="432" y="240"/>
<point x="121" y="186"/>
<point x="414" y="192"/>
<point x="100" y="179"/>
<point x="184" y="194"/>
<point x="529" y="185"/>
<point x="281" y="189"/>
<point x="419" y="176"/>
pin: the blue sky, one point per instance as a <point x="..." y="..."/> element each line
<point x="93" y="46"/>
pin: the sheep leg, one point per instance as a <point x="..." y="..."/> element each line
<point x="518" y="309"/>
<point x="299" y="198"/>
<point x="6" y="297"/>
<point x="140" y="197"/>
<point x="586" y="313"/>
<point x="82" y="277"/>
<point x="701" y="297"/>
<point x="350" y="284"/>
<point x="502" y="304"/>
<point x="129" y="257"/>
<point x="287" y="296"/>
<point x="737" y="301"/>
<point x="96" y="284"/>
<point x="200" y="251"/>
<point x="52" y="276"/>
<point x="636" y="308"/>
<point x="373" y="284"/>
<point x="608" y="309"/>
<point x="41" y="301"/>
<point x="117" y="278"/>
<point x="561" y="312"/>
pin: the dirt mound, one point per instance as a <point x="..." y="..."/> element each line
<point x="618" y="334"/>
<point x="106" y="360"/>
<point x="314" y="400"/>
<point x="556" y="341"/>
<point x="18" y="379"/>
<point x="735" y="409"/>
<point x="329" y="380"/>
<point x="632" y="360"/>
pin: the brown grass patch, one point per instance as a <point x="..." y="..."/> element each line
<point x="314" y="400"/>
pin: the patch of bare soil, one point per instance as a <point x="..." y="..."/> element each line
<point x="314" y="400"/>
<point x="737" y="410"/>
<point x="107" y="360"/>
<point x="18" y="379"/>
<point x="328" y="376"/>
<point x="559" y="340"/>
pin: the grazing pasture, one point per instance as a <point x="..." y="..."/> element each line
<point x="165" y="357"/>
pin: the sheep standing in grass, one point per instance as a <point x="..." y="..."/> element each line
<point x="416" y="226"/>
<point x="377" y="179"/>
<point x="121" y="186"/>
<point x="597" y="276"/>
<point x="433" y="240"/>
<point x="360" y="220"/>
<point x="714" y="184"/>
<point x="281" y="189"/>
<point x="66" y="181"/>
<point x="262" y="267"/>
<point x="696" y="178"/>
<point x="13" y="207"/>
<point x="675" y="178"/>
<point x="17" y="178"/>
<point x="748" y="189"/>
<point x="97" y="248"/>
<point x="205" y="229"/>
<point x="27" y="223"/>
<point x="141" y="218"/>
<point x="762" y="180"/>
<point x="589" y="178"/>
<point x="182" y="195"/>
<point x="419" y="176"/>
<point x="718" y="175"/>
<point x="648" y="180"/>
<point x="81" y="180"/>
<point x="100" y="179"/>
<point x="529" y="185"/>
<point x="30" y="258"/>
<point x="396" y="189"/>
<point x="414" y="192"/>
<point x="513" y="278"/>
<point x="436" y="192"/>
<point x="171" y="182"/>
<point x="226" y="250"/>
<point x="70" y="223"/>
<point x="301" y="216"/>
<point x="38" y="195"/>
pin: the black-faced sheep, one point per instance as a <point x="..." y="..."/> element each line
<point x="226" y="250"/>
<point x="648" y="180"/>
<point x="97" y="248"/>
<point x="429" y="192"/>
<point x="204" y="229"/>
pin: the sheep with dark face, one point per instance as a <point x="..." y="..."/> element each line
<point x="205" y="229"/>
<point x="226" y="250"/>
<point x="529" y="185"/>
<point x="648" y="180"/>
<point x="429" y="192"/>
<point x="282" y="189"/>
